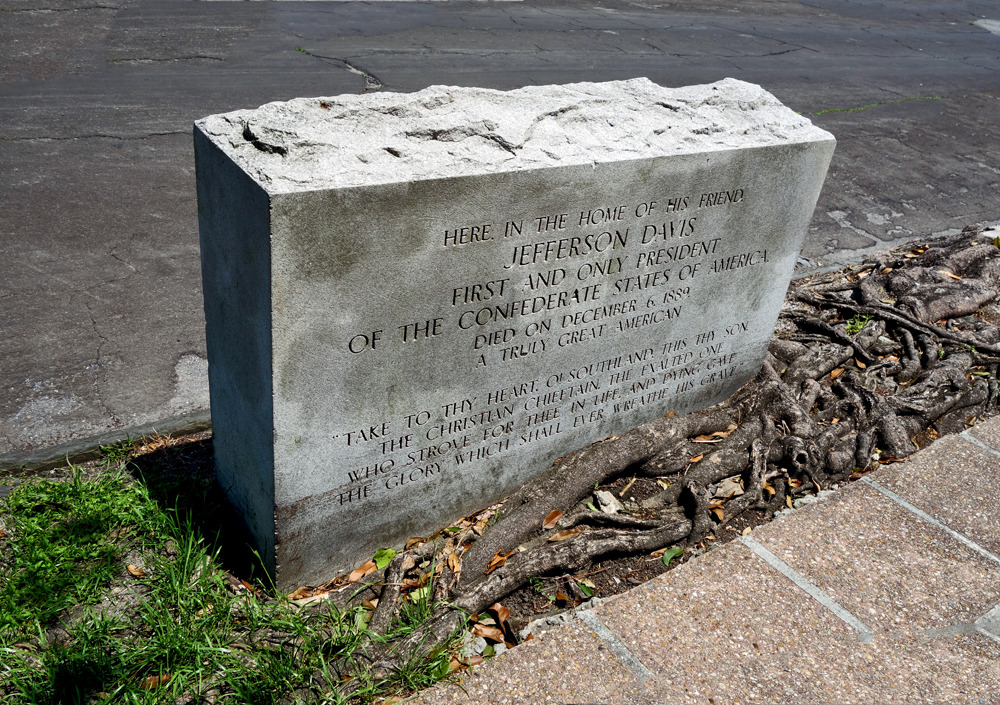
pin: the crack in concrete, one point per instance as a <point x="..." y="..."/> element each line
<point x="147" y="60"/>
<point x="48" y="10"/>
<point x="777" y="53"/>
<point x="100" y="374"/>
<point x="372" y="82"/>
<point x="967" y="60"/>
<point x="111" y="252"/>
<point x="124" y="138"/>
<point x="754" y="32"/>
<point x="862" y="108"/>
<point x="69" y="284"/>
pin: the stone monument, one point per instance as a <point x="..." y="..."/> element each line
<point x="416" y="302"/>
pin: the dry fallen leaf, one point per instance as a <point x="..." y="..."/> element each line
<point x="480" y="526"/>
<point x="836" y="373"/>
<point x="663" y="483"/>
<point x="788" y="501"/>
<point x="364" y="569"/>
<point x="492" y="633"/>
<point x="552" y="519"/>
<point x="860" y="364"/>
<point x="746" y="531"/>
<point x="696" y="458"/>
<point x="299" y="593"/>
<point x="729" y="488"/>
<point x="370" y="604"/>
<point x="154" y="681"/>
<point x="335" y="583"/>
<point x="455" y="563"/>
<point x="719" y="513"/>
<point x="794" y="482"/>
<point x="950" y="275"/>
<point x="716" y="436"/>
<point x="498" y="560"/>
<point x="769" y="488"/>
<point x="136" y="571"/>
<point x="562" y="597"/>
<point x="317" y="597"/>
<point x="715" y="503"/>
<point x="500" y="612"/>
<point x="411" y="542"/>
<point x="565" y="534"/>
<point x="669" y="414"/>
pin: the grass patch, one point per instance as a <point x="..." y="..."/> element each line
<point x="64" y="544"/>
<point x="112" y="589"/>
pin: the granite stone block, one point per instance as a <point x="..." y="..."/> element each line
<point x="417" y="302"/>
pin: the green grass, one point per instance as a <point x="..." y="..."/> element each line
<point x="857" y="324"/>
<point x="174" y="630"/>
<point x="64" y="546"/>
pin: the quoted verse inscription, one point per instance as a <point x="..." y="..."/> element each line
<point x="566" y="280"/>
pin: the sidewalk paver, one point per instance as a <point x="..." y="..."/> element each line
<point x="726" y="626"/>
<point x="565" y="665"/>
<point x="955" y="481"/>
<point x="885" y="565"/>
<point x="916" y="567"/>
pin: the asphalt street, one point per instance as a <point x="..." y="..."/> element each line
<point x="100" y="285"/>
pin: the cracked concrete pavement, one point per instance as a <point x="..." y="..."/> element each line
<point x="100" y="296"/>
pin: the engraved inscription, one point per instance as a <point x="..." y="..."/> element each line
<point x="567" y="280"/>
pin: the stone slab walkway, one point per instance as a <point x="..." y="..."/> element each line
<point x="886" y="592"/>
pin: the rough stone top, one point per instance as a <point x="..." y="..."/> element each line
<point x="443" y="131"/>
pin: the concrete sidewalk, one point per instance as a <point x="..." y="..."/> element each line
<point x="885" y="592"/>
